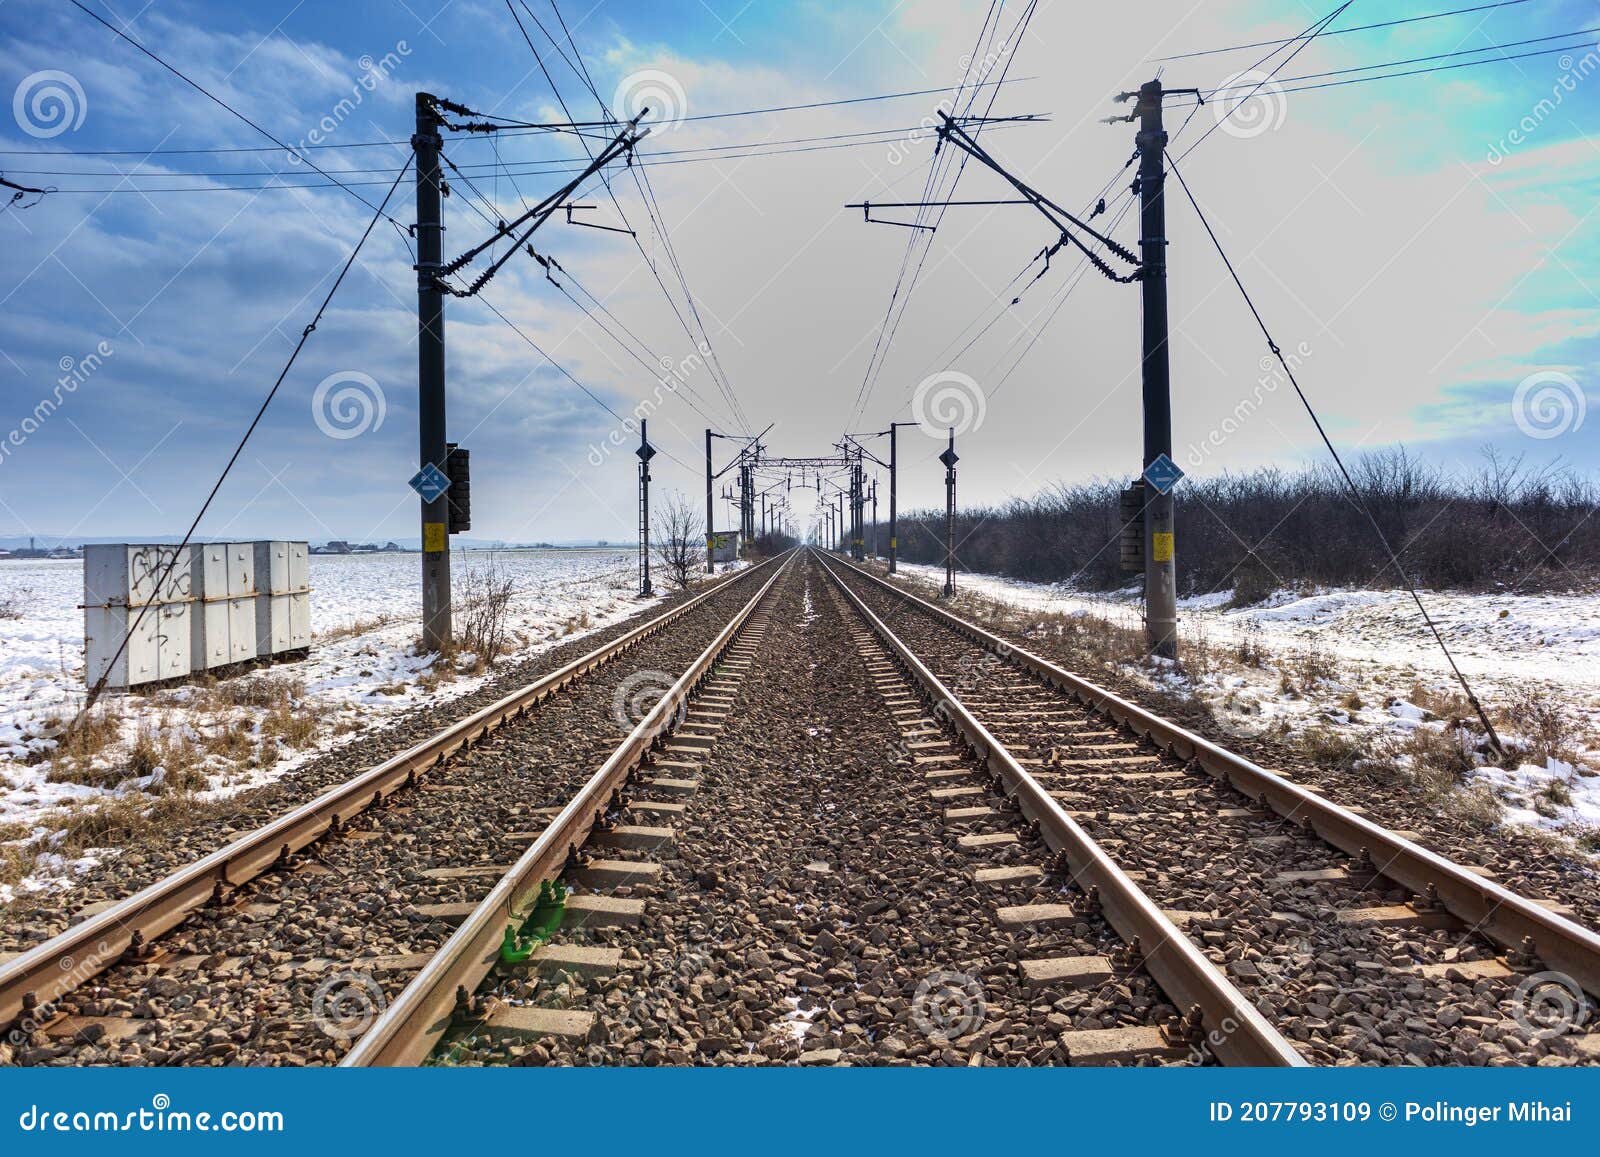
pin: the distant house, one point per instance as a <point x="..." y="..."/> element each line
<point x="5" y="554"/>
<point x="393" y="548"/>
<point x="337" y="546"/>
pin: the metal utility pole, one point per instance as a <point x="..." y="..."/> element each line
<point x="1160" y="575"/>
<point x="858" y="499"/>
<point x="949" y="458"/>
<point x="436" y="628"/>
<point x="645" y="452"/>
<point x="711" y="512"/>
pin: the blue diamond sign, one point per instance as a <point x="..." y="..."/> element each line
<point x="430" y="482"/>
<point x="1163" y="474"/>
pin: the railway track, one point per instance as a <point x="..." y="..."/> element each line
<point x="1347" y="939"/>
<point x="814" y="819"/>
<point x="281" y="946"/>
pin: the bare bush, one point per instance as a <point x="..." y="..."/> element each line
<point x="679" y="540"/>
<point x="484" y="617"/>
<point x="1545" y="722"/>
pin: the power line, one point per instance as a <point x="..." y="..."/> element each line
<point x="1315" y="30"/>
<point x="1345" y="31"/>
<point x="892" y="320"/>
<point x="754" y="153"/>
<point x="713" y="365"/>
<point x="1350" y="483"/>
<point x="1425" y="59"/>
<point x="1437" y="68"/>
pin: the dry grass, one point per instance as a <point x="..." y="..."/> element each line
<point x="261" y="692"/>
<point x="1333" y="747"/>
<point x="1311" y="665"/>
<point x="1445" y="702"/>
<point x="483" y="613"/>
<point x="1434" y="764"/>
<point x="234" y="741"/>
<point x="358" y="627"/>
<point x="15" y="861"/>
<point x="1249" y="652"/>
<point x="290" y="727"/>
<point x="81" y="745"/>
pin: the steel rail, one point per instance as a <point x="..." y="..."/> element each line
<point x="1515" y="922"/>
<point x="86" y="949"/>
<point x="1235" y="1031"/>
<point x="414" y="1021"/>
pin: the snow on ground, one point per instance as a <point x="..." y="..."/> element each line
<point x="1358" y="659"/>
<point x="361" y="672"/>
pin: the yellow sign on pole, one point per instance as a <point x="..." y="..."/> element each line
<point x="1161" y="546"/>
<point x="434" y="537"/>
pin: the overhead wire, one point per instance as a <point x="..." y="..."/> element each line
<point x="724" y="387"/>
<point x="938" y="193"/>
<point x="1345" y="31"/>
<point x="405" y="142"/>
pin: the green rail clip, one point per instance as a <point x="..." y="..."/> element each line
<point x="539" y="927"/>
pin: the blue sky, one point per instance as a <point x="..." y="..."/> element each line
<point x="1430" y="240"/>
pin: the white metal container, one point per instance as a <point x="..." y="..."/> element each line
<point x="241" y="569"/>
<point x="282" y="568"/>
<point x="103" y="629"/>
<point x="221" y="603"/>
<point x="119" y="590"/>
<point x="283" y="604"/>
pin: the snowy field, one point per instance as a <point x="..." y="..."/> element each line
<point x="1373" y="647"/>
<point x="362" y="672"/>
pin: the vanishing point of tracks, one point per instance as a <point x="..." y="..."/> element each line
<point x="843" y="826"/>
